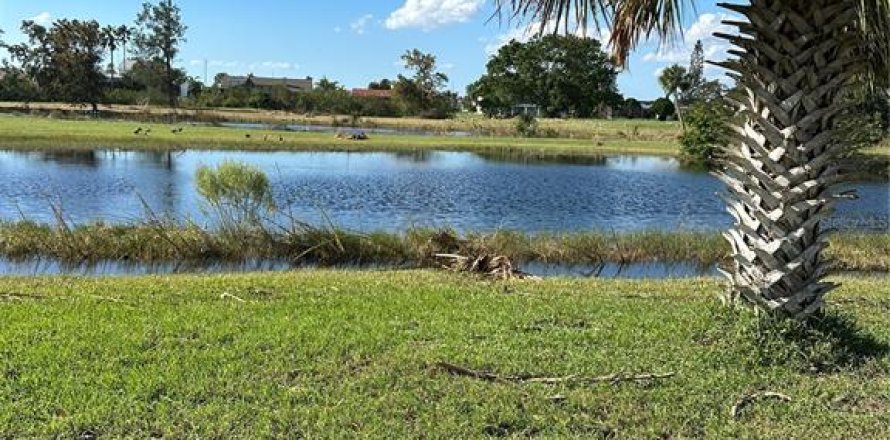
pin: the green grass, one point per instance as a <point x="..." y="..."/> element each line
<point x="567" y="128"/>
<point x="169" y="242"/>
<point x="322" y="354"/>
<point x="28" y="132"/>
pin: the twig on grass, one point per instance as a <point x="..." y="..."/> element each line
<point x="747" y="399"/>
<point x="458" y="370"/>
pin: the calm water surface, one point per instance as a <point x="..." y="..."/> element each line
<point x="394" y="191"/>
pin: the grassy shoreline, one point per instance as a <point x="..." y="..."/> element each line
<point x="42" y="134"/>
<point x="330" y="354"/>
<point x="33" y="133"/>
<point x="151" y="243"/>
<point x="477" y="124"/>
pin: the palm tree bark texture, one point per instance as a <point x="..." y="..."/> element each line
<point x="793" y="59"/>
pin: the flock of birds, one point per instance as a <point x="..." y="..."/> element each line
<point x="177" y="130"/>
<point x="147" y="131"/>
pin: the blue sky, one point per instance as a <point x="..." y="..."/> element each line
<point x="353" y="41"/>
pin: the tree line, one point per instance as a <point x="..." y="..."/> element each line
<point x="63" y="61"/>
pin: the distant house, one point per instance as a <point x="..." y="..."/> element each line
<point x="526" y="109"/>
<point x="225" y="81"/>
<point x="372" y="93"/>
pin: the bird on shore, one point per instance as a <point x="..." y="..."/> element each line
<point x="247" y="135"/>
<point x="280" y="139"/>
<point x="177" y="130"/>
<point x="137" y="131"/>
<point x="147" y="131"/>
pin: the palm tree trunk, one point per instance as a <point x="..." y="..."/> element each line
<point x="794" y="59"/>
<point x="679" y="112"/>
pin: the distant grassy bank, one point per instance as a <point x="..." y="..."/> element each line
<point x="565" y="128"/>
<point x="322" y="354"/>
<point x="28" y="132"/>
<point x="163" y="243"/>
<point x="44" y="133"/>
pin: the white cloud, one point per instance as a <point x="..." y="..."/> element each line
<point x="279" y="65"/>
<point x="361" y="24"/>
<point x="431" y="14"/>
<point x="338" y="29"/>
<point x="223" y="63"/>
<point x="448" y="66"/>
<point x="703" y="29"/>
<point x="43" y="19"/>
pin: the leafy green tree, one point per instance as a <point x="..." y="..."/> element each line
<point x="326" y="85"/>
<point x="421" y="94"/>
<point x="63" y="60"/>
<point x="563" y="75"/>
<point x="663" y="108"/>
<point x="161" y="32"/>
<point x="631" y="108"/>
<point x="696" y="74"/>
<point x="707" y="131"/>
<point x="674" y="81"/>
<point x="699" y="88"/>
<point x="15" y="86"/>
<point x="383" y="84"/>
<point x="796" y="61"/>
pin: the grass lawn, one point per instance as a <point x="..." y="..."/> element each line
<point x="28" y="132"/>
<point x="322" y="354"/>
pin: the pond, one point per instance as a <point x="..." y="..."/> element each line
<point x="396" y="191"/>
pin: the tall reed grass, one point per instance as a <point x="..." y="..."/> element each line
<point x="160" y="241"/>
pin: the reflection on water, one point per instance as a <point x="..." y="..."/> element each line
<point x="394" y="191"/>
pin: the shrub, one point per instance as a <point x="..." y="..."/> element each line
<point x="237" y="194"/>
<point x="707" y="128"/>
<point x="526" y="125"/>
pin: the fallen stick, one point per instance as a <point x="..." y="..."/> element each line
<point x="746" y="400"/>
<point x="19" y="296"/>
<point x="458" y="370"/>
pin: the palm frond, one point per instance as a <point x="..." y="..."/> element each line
<point x="874" y="19"/>
<point x="630" y="20"/>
